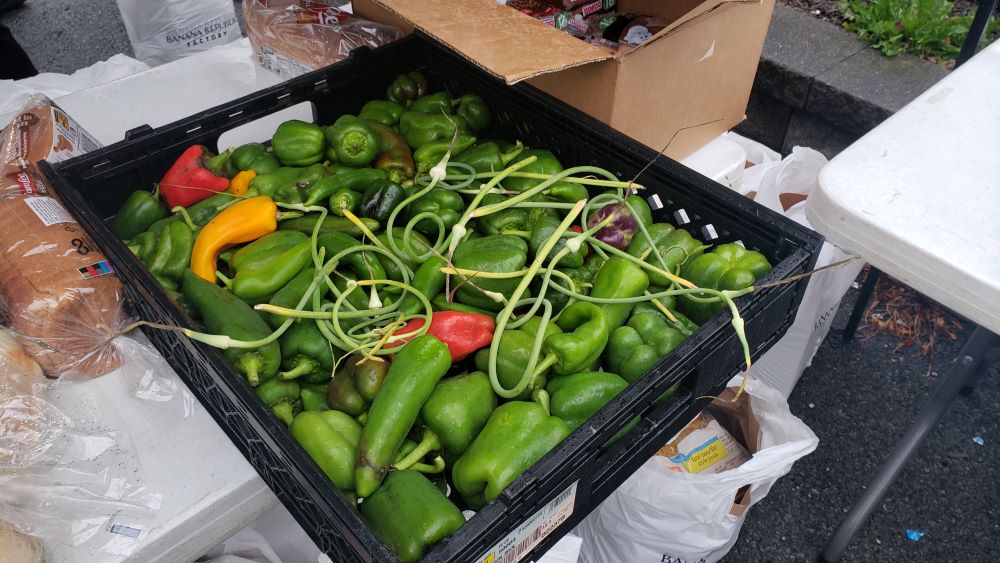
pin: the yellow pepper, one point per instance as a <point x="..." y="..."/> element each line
<point x="240" y="183"/>
<point x="245" y="221"/>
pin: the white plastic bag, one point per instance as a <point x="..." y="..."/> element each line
<point x="165" y="30"/>
<point x="660" y="515"/>
<point x="14" y="93"/>
<point x="792" y="179"/>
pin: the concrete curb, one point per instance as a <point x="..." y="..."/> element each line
<point x="821" y="86"/>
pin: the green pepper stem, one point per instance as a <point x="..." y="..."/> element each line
<point x="225" y="281"/>
<point x="437" y="467"/>
<point x="545" y="364"/>
<point x="302" y="367"/>
<point x="180" y="210"/>
<point x="251" y="368"/>
<point x="541" y="397"/>
<point x="429" y="442"/>
<point x="283" y="215"/>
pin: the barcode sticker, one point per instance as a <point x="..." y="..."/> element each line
<point x="532" y="531"/>
<point x="49" y="211"/>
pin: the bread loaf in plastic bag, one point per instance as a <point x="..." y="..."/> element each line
<point x="293" y="37"/>
<point x="59" y="293"/>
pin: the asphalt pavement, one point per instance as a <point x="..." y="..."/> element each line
<point x="859" y="398"/>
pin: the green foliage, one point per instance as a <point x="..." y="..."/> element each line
<point x="920" y="27"/>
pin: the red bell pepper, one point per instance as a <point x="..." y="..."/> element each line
<point x="196" y="175"/>
<point x="463" y="333"/>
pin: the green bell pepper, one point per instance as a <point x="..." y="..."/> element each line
<point x="410" y="252"/>
<point x="679" y="322"/>
<point x="489" y="156"/>
<point x="436" y="103"/>
<point x="543" y="230"/>
<point x="139" y="211"/>
<point x="676" y="246"/>
<point x="253" y="156"/>
<point x="421" y="128"/>
<point x="224" y="313"/>
<point x="352" y="141"/>
<point x="584" y="337"/>
<point x="173" y="249"/>
<point x="576" y="397"/>
<point x="618" y="278"/>
<point x="306" y="353"/>
<point x="307" y="223"/>
<point x="394" y="156"/>
<point x="205" y="210"/>
<point x="545" y="163"/>
<point x="290" y="295"/>
<point x="265" y="249"/>
<point x="281" y="396"/>
<point x="381" y="197"/>
<point x="640" y="207"/>
<point x="344" y="199"/>
<point x="142" y="245"/>
<point x="271" y="183"/>
<point x="446" y="204"/>
<point x="727" y="267"/>
<point x="267" y="275"/>
<point x="313" y="397"/>
<point x="428" y="280"/>
<point x="513" y="354"/>
<point x="516" y="435"/>
<point x="411" y="378"/>
<point x="458" y="408"/>
<point x="635" y="348"/>
<point x="365" y="264"/>
<point x="356" y="384"/>
<point x="512" y="219"/>
<point x="410" y="514"/>
<point x="406" y="88"/>
<point x="382" y="111"/>
<point x="298" y="143"/>
<point x="331" y="439"/>
<point x="493" y="253"/>
<point x="475" y="111"/>
<point x="356" y="180"/>
<point x="429" y="154"/>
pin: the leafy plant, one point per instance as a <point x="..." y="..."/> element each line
<point x="921" y="27"/>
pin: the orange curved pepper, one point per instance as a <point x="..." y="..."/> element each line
<point x="240" y="184"/>
<point x="245" y="221"/>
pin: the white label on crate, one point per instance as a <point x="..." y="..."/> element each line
<point x="49" y="211"/>
<point x="532" y="531"/>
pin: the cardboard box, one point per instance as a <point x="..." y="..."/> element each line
<point x="680" y="89"/>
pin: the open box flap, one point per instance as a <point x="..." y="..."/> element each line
<point x="498" y="39"/>
<point x="677" y="13"/>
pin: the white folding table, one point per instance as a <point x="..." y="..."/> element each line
<point x="209" y="490"/>
<point x="919" y="198"/>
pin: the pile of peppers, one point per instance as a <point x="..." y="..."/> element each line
<point x="421" y="305"/>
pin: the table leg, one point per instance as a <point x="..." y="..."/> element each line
<point x="864" y="298"/>
<point x="959" y="375"/>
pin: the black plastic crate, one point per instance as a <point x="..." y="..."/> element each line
<point x="96" y="184"/>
